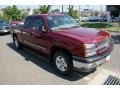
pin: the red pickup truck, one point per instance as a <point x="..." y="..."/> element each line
<point x="66" y="43"/>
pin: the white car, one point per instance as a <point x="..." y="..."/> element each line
<point x="84" y="19"/>
<point x="4" y="30"/>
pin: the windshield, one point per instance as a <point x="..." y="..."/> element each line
<point x="59" y="22"/>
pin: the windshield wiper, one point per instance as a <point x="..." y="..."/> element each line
<point x="58" y="29"/>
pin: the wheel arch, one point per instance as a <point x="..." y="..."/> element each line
<point x="56" y="48"/>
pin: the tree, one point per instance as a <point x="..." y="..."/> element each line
<point x="1" y="17"/>
<point x="56" y="11"/>
<point x="25" y="12"/>
<point x="45" y="8"/>
<point x="11" y="13"/>
<point x="36" y="11"/>
<point x="96" y="13"/>
<point x="42" y="9"/>
<point x="73" y="13"/>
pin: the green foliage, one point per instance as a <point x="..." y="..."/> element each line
<point x="24" y="13"/>
<point x="36" y="11"/>
<point x="1" y="17"/>
<point x="11" y="13"/>
<point x="101" y="25"/>
<point x="94" y="24"/>
<point x="73" y="13"/>
<point x="56" y="11"/>
<point x="42" y="9"/>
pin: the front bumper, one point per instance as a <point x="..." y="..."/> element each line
<point x="89" y="63"/>
<point x="4" y="31"/>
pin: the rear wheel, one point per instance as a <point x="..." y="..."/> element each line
<point x="62" y="62"/>
<point x="17" y="43"/>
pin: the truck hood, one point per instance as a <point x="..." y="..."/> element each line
<point x="86" y="35"/>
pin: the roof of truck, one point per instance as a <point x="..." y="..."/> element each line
<point x="48" y="14"/>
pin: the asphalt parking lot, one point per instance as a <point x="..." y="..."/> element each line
<point x="25" y="67"/>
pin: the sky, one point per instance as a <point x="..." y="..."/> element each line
<point x="95" y="7"/>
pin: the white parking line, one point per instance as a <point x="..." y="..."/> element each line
<point x="86" y="78"/>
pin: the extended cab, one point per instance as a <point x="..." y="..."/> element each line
<point x="66" y="43"/>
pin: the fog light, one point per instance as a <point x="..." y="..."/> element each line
<point x="91" y="65"/>
<point x="90" y="53"/>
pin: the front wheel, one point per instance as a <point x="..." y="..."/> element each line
<point x="62" y="62"/>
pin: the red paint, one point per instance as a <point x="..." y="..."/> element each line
<point x="69" y="39"/>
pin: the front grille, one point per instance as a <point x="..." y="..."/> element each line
<point x="103" y="45"/>
<point x="104" y="41"/>
<point x="111" y="80"/>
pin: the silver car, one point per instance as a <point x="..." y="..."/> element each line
<point x="4" y="29"/>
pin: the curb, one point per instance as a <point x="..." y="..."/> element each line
<point x="111" y="31"/>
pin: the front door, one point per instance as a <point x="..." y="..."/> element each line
<point x="38" y="36"/>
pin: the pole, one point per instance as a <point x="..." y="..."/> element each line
<point x="62" y="9"/>
<point x="79" y="13"/>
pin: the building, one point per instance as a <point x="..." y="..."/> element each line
<point x="113" y="12"/>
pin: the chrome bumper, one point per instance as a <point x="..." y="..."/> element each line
<point x="86" y="67"/>
<point x="86" y="64"/>
<point x="4" y="31"/>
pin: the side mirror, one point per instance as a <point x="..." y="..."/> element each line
<point x="43" y="29"/>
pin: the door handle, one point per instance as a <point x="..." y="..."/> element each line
<point x="31" y="33"/>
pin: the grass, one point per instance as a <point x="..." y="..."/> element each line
<point x="101" y="25"/>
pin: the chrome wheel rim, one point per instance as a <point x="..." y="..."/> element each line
<point x="16" y="42"/>
<point x="61" y="64"/>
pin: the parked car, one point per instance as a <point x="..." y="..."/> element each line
<point x="115" y="19"/>
<point x="95" y="19"/>
<point x="104" y="19"/>
<point x="66" y="44"/>
<point x="84" y="19"/>
<point x="4" y="27"/>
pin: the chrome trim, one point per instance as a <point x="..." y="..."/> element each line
<point x="4" y="30"/>
<point x="61" y="64"/>
<point x="81" y="65"/>
<point x="100" y="46"/>
<point x="103" y="44"/>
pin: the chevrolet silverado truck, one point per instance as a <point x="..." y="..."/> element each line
<point x="66" y="44"/>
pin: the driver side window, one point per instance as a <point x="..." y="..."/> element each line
<point x="37" y="24"/>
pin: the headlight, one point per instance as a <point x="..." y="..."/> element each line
<point x="90" y="50"/>
<point x="90" y="46"/>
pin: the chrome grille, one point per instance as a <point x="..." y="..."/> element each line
<point x="103" y="44"/>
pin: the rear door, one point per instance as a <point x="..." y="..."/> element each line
<point x="27" y="31"/>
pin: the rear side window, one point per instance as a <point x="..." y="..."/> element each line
<point x="28" y="23"/>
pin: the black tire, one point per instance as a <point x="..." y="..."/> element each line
<point x="67" y="59"/>
<point x="16" y="42"/>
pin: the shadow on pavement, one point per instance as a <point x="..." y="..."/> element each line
<point x="42" y="63"/>
<point x="3" y="34"/>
